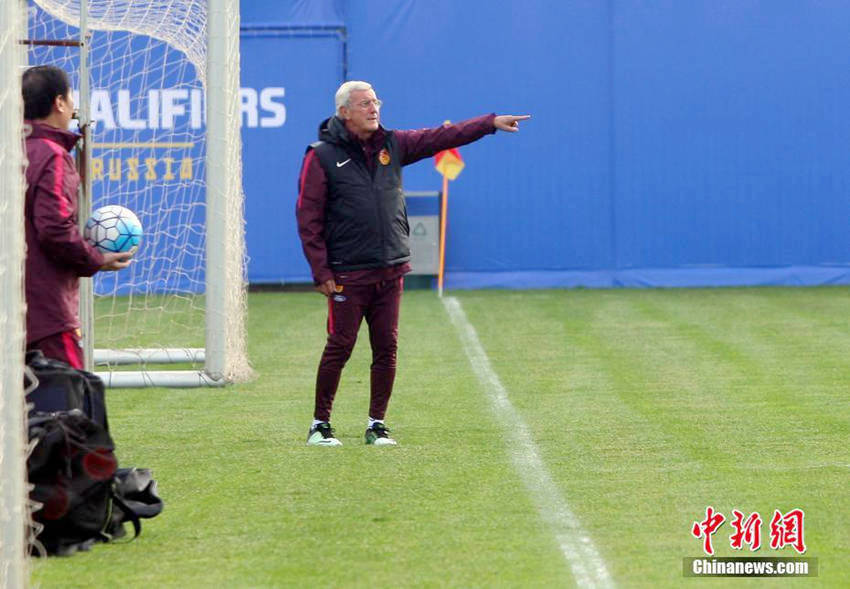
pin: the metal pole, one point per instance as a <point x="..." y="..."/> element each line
<point x="444" y="201"/>
<point x="13" y="514"/>
<point x="222" y="119"/>
<point x="85" y="202"/>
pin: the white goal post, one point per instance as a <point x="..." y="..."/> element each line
<point x="159" y="109"/>
<point x="14" y="516"/>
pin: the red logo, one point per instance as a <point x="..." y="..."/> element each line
<point x="746" y="532"/>
<point x="707" y="527"/>
<point x="785" y="530"/>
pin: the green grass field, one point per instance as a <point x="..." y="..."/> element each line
<point x="645" y="407"/>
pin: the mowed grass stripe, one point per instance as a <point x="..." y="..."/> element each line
<point x="784" y="369"/>
<point x="764" y="328"/>
<point x="786" y="358"/>
<point x="620" y="467"/>
<point x="792" y="429"/>
<point x="577" y="547"/>
<point x="739" y="380"/>
<point x="789" y="435"/>
<point x="648" y="390"/>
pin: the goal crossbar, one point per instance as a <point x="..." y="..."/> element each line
<point x="159" y="378"/>
<point x="103" y="357"/>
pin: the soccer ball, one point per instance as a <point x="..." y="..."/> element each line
<point x="113" y="229"/>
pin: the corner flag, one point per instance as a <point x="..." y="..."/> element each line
<point x="449" y="164"/>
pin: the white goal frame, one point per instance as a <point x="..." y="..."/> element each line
<point x="14" y="516"/>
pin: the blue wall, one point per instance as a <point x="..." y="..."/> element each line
<point x="730" y="134"/>
<point x="308" y="68"/>
<point x="673" y="143"/>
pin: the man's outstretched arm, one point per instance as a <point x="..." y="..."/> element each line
<point x="421" y="143"/>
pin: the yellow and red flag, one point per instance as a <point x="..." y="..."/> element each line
<point x="449" y="163"/>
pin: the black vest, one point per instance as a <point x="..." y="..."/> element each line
<point x="365" y="215"/>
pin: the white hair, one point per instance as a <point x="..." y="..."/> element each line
<point x="343" y="94"/>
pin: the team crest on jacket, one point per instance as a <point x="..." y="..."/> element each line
<point x="384" y="157"/>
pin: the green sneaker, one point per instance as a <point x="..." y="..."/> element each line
<point x="378" y="435"/>
<point x="322" y="434"/>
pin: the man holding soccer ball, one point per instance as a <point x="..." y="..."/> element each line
<point x="57" y="254"/>
<point x="352" y="221"/>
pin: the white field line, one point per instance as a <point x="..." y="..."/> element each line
<point x="584" y="560"/>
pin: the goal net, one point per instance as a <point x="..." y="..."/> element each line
<point x="165" y="144"/>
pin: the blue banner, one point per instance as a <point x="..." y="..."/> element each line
<point x="671" y="144"/>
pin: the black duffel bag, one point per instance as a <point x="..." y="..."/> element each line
<point x="137" y="490"/>
<point x="71" y="470"/>
<point x="81" y="495"/>
<point x="63" y="388"/>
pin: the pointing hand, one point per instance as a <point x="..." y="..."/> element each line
<point x="509" y="123"/>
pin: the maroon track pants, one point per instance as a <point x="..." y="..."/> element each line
<point x="65" y="346"/>
<point x="379" y="304"/>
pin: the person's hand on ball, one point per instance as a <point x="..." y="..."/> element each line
<point x="116" y="260"/>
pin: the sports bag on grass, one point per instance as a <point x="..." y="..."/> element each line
<point x="84" y="498"/>
<point x="63" y="388"/>
<point x="136" y="488"/>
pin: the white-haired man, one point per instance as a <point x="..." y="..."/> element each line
<point x="352" y="221"/>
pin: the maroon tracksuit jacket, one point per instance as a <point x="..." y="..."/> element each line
<point x="56" y="252"/>
<point x="373" y="294"/>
